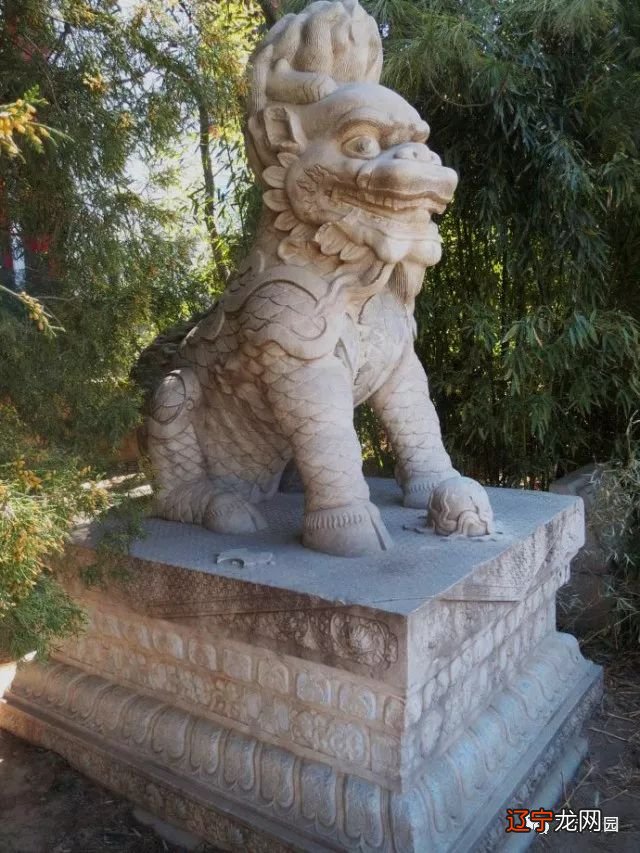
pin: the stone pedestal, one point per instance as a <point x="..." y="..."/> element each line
<point x="315" y="703"/>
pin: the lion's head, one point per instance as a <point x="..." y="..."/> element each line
<point x="343" y="161"/>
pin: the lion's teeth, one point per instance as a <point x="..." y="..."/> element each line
<point x="377" y="199"/>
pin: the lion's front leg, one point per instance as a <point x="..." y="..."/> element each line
<point x="404" y="406"/>
<point x="312" y="402"/>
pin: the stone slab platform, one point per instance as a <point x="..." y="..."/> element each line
<point x="393" y="704"/>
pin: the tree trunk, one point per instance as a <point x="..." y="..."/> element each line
<point x="209" y="192"/>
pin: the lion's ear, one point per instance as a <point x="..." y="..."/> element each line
<point x="283" y="130"/>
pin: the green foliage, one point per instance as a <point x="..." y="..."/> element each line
<point x="96" y="102"/>
<point x="120" y="525"/>
<point x="615" y="520"/>
<point x="17" y="119"/>
<point x="198" y="51"/>
<point x="112" y="264"/>
<point x="42" y="490"/>
<point x="529" y="326"/>
<point x="44" y="617"/>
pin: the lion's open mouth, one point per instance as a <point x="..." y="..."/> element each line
<point x="387" y="205"/>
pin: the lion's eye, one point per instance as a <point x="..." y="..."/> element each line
<point x="365" y="147"/>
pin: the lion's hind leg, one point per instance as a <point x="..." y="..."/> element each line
<point x="184" y="490"/>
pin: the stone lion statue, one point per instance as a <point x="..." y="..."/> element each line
<point x="320" y="316"/>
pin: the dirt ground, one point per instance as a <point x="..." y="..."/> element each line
<point x="609" y="778"/>
<point x="46" y="807"/>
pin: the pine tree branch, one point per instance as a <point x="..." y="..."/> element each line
<point x="270" y="10"/>
<point x="171" y="65"/>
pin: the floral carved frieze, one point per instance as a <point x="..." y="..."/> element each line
<point x="346" y="636"/>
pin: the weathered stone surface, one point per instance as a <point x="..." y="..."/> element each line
<point x="311" y="733"/>
<point x="7" y="674"/>
<point x="584" y="603"/>
<point x="319" y="317"/>
<point x="430" y="593"/>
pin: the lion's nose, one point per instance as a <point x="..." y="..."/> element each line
<point x="416" y="151"/>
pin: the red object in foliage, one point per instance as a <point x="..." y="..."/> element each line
<point x="39" y="245"/>
<point x="27" y="48"/>
<point x="7" y="262"/>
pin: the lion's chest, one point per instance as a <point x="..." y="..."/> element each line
<point x="374" y="344"/>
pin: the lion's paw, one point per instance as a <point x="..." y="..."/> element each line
<point x="347" y="531"/>
<point x="460" y="505"/>
<point x="198" y="502"/>
<point x="228" y="513"/>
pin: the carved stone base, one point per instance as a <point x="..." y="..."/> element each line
<point x="395" y="704"/>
